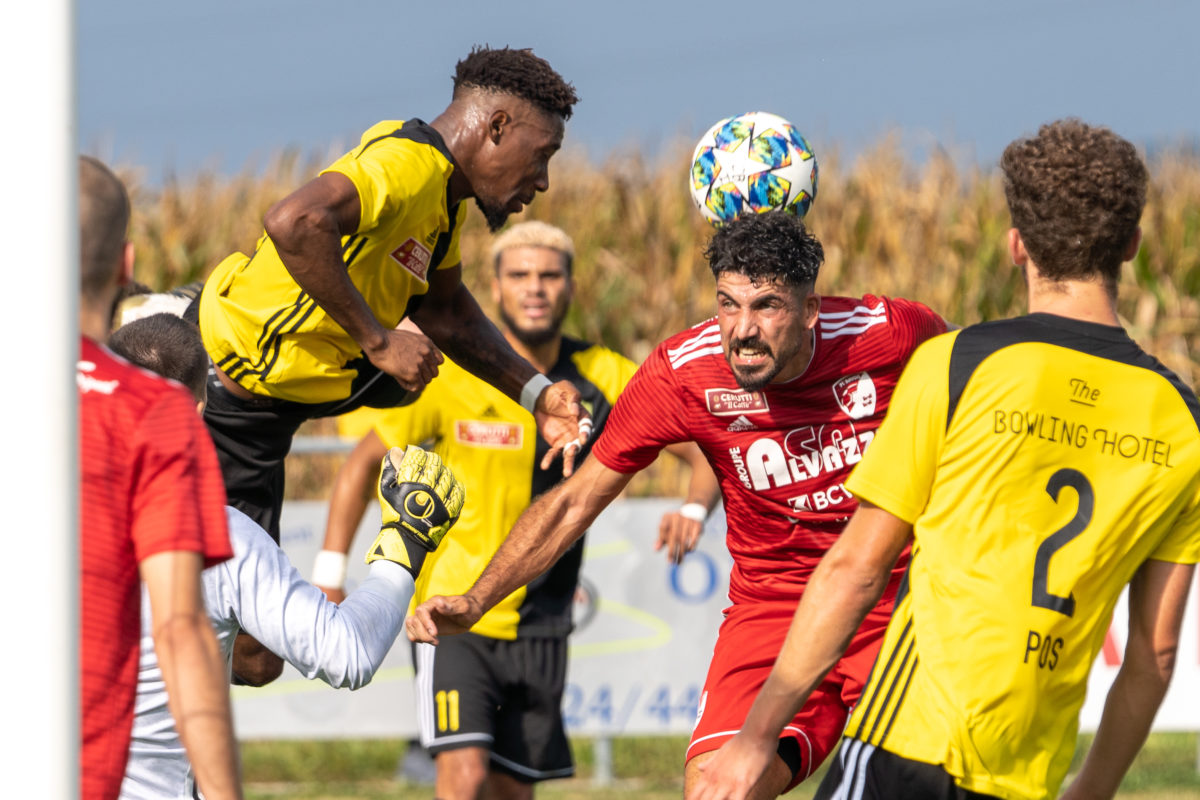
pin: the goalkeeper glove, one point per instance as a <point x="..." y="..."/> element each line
<point x="420" y="499"/>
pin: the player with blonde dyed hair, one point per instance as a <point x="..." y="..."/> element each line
<point x="534" y="234"/>
<point x="1037" y="465"/>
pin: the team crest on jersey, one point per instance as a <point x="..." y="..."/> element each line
<point x="855" y="395"/>
<point x="498" y="435"/>
<point x="414" y="257"/>
<point x="732" y="402"/>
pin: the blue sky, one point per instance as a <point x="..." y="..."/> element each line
<point x="221" y="84"/>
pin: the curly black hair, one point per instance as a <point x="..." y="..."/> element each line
<point x="519" y="73"/>
<point x="1076" y="193"/>
<point x="770" y="246"/>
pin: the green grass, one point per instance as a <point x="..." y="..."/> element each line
<point x="649" y="768"/>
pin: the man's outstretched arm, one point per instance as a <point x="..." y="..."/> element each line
<point x="542" y="534"/>
<point x="352" y="492"/>
<point x="1157" y="596"/>
<point x="845" y="586"/>
<point x="679" y="531"/>
<point x="193" y="670"/>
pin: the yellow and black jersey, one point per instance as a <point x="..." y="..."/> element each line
<point x="1041" y="461"/>
<point x="271" y="337"/>
<point x="493" y="446"/>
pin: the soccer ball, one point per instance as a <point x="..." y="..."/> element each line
<point x="753" y="162"/>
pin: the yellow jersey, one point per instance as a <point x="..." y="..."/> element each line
<point x="1041" y="461"/>
<point x="271" y="337"/>
<point x="493" y="446"/>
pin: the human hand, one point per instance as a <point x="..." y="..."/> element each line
<point x="409" y="356"/>
<point x="419" y="502"/>
<point x="563" y="423"/>
<point x="442" y="615"/>
<point x="732" y="772"/>
<point x="679" y="532"/>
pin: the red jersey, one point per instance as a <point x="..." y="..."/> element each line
<point x="149" y="484"/>
<point x="782" y="454"/>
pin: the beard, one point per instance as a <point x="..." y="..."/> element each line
<point x="757" y="380"/>
<point x="536" y="337"/>
<point x="495" y="215"/>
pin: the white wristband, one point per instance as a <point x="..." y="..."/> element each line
<point x="329" y="569"/>
<point x="694" y="511"/>
<point x="532" y="390"/>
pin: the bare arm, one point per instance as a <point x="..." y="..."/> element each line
<point x="543" y="533"/>
<point x="451" y="317"/>
<point x="193" y="670"/>
<point x="846" y="584"/>
<point x="678" y="532"/>
<point x="307" y="228"/>
<point x="352" y="491"/>
<point x="1157" y="596"/>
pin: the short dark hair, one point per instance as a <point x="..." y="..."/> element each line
<point x="103" y="223"/>
<point x="519" y="73"/>
<point x="166" y="345"/>
<point x="1076" y="193"/>
<point x="770" y="246"/>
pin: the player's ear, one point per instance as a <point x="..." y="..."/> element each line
<point x="498" y="124"/>
<point x="1134" y="244"/>
<point x="127" y="264"/>
<point x="812" y="308"/>
<point x="1016" y="248"/>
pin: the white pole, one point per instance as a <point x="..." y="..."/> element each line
<point x="39" y="742"/>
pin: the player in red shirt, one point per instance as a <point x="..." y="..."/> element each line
<point x="151" y="503"/>
<point x="782" y="392"/>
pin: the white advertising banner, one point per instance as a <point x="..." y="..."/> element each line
<point x="645" y="631"/>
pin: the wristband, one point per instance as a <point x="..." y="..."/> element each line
<point x="329" y="569"/>
<point x="532" y="390"/>
<point x="693" y="511"/>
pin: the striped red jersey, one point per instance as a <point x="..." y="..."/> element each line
<point x="781" y="455"/>
<point x="149" y="484"/>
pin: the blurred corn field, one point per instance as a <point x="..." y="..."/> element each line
<point x="931" y="231"/>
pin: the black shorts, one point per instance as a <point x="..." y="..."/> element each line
<point x="505" y="696"/>
<point x="861" y="771"/>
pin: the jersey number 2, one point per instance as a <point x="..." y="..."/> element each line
<point x="1042" y="598"/>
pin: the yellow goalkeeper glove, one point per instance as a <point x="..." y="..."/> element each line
<point x="420" y="499"/>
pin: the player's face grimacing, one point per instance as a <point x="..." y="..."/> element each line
<point x="532" y="290"/>
<point x="765" y="329"/>
<point x="517" y="165"/>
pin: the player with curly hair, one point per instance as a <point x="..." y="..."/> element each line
<point x="782" y="392"/>
<point x="305" y="326"/>
<point x="1038" y="465"/>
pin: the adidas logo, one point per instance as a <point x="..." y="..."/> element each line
<point x="741" y="424"/>
<point x="490" y="412"/>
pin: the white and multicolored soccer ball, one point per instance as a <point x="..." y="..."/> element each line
<point x="752" y="163"/>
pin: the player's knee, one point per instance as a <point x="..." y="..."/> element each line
<point x="502" y="786"/>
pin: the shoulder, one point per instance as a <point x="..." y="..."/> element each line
<point x="410" y="151"/>
<point x="595" y="360"/>
<point x="695" y="345"/>
<point x="606" y="369"/>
